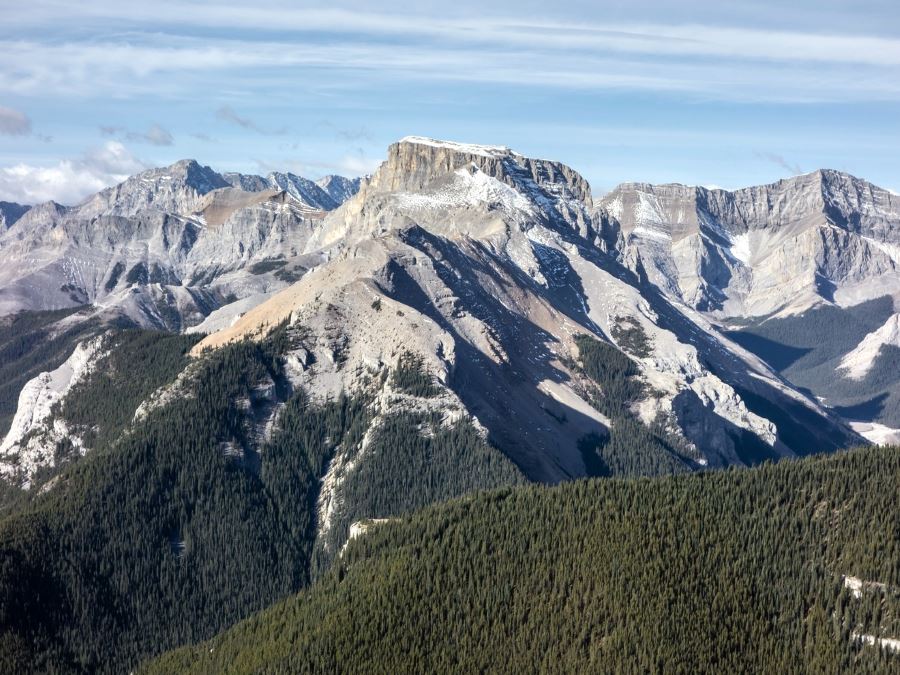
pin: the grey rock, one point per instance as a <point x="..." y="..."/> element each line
<point x="10" y="212"/>
<point x="340" y="189"/>
<point x="821" y="237"/>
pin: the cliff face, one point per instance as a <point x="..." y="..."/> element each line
<point x="824" y="236"/>
<point x="414" y="162"/>
<point x="10" y="212"/>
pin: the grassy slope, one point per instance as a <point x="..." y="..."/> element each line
<point x="732" y="571"/>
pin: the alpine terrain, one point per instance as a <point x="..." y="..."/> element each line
<point x="283" y="425"/>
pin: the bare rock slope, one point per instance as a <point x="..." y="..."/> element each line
<point x="489" y="265"/>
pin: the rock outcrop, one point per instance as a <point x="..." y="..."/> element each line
<point x="32" y="441"/>
<point x="824" y="236"/>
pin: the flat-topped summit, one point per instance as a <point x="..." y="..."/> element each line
<point x="415" y="161"/>
<point x="466" y="148"/>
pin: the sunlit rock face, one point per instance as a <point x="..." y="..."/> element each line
<point x="821" y="237"/>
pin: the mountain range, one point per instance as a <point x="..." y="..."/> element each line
<point x="279" y="361"/>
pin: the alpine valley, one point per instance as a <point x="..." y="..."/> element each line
<point x="278" y="425"/>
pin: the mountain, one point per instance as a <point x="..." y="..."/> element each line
<point x="493" y="260"/>
<point x="10" y="212"/>
<point x="163" y="249"/>
<point x="209" y="380"/>
<point x="340" y="189"/>
<point x="485" y="265"/>
<point x="780" y="248"/>
<point x="803" y="272"/>
<point x="682" y="574"/>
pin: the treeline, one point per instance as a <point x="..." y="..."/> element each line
<point x="193" y="520"/>
<point x="730" y="571"/>
<point x="631" y="448"/>
<point x="31" y="343"/>
<point x="412" y="460"/>
<point x="134" y="365"/>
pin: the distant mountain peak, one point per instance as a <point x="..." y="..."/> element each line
<point x="10" y="212"/>
<point x="339" y="188"/>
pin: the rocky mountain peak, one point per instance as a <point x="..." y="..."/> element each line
<point x="339" y="188"/>
<point x="247" y="182"/>
<point x="10" y="212"/>
<point x="303" y="190"/>
<point x="172" y="189"/>
<point x="415" y="161"/>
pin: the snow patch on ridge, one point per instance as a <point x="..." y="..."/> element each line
<point x="468" y="186"/>
<point x="467" y="148"/>
<point x="740" y="248"/>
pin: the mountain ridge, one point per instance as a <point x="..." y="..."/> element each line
<point x="251" y="379"/>
<point x="493" y="264"/>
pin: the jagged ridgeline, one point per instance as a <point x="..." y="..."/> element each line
<point x="466" y="318"/>
<point x="734" y="571"/>
<point x="193" y="517"/>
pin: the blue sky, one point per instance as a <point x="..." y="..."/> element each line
<point x="724" y="93"/>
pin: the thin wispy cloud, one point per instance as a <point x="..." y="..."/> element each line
<point x="227" y="114"/>
<point x="515" y="29"/>
<point x="154" y="135"/>
<point x="725" y="63"/>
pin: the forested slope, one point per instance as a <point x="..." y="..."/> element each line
<point x="193" y="518"/>
<point x="732" y="571"/>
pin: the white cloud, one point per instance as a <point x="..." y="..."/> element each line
<point x="723" y="63"/>
<point x="69" y="181"/>
<point x="14" y="122"/>
<point x="155" y="135"/>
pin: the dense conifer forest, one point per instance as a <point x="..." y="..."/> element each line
<point x="720" y="572"/>
<point x="203" y="510"/>
<point x="631" y="448"/>
<point x="135" y="364"/>
<point x="32" y="343"/>
<point x="192" y="519"/>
